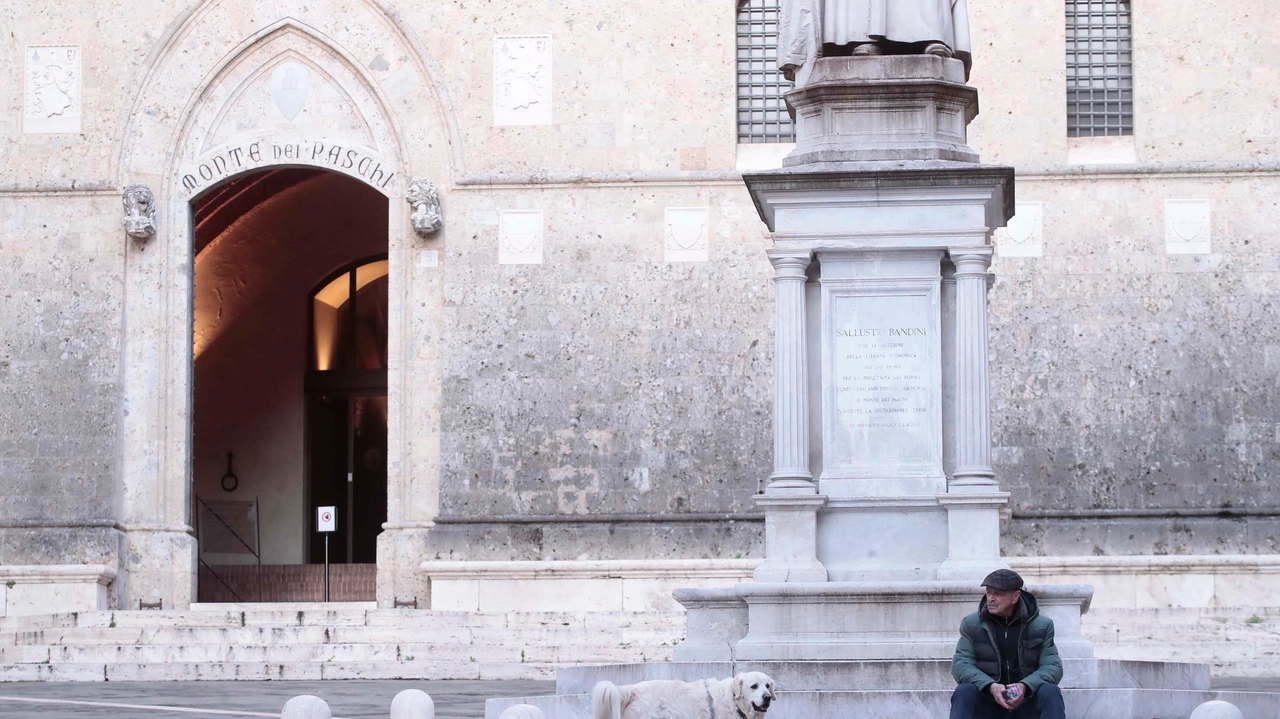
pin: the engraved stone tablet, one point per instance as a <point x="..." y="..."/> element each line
<point x="520" y="237"/>
<point x="1024" y="235"/>
<point x="52" y="89"/>
<point x="1186" y="227"/>
<point x="882" y="382"/>
<point x="686" y="234"/>
<point x="522" y="80"/>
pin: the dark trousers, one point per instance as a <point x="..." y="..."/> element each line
<point x="969" y="703"/>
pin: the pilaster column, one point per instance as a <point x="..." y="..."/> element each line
<point x="790" y="378"/>
<point x="973" y="470"/>
<point x="791" y="501"/>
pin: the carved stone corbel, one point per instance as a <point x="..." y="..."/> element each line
<point x="426" y="217"/>
<point x="139" y="212"/>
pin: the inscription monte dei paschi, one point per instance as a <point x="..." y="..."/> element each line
<point x="351" y="160"/>
<point x="882" y="379"/>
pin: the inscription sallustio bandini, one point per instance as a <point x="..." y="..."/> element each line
<point x="882" y="382"/>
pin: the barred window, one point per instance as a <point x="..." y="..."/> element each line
<point x="762" y="114"/>
<point x="1099" y="68"/>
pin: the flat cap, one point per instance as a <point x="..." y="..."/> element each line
<point x="1003" y="580"/>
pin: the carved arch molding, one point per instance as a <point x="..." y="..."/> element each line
<point x="236" y="85"/>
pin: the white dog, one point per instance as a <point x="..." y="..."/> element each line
<point x="746" y="696"/>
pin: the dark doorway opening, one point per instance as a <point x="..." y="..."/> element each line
<point x="346" y="389"/>
<point x="290" y="391"/>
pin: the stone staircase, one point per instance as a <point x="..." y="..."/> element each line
<point x="1235" y="642"/>
<point x="358" y="641"/>
<point x="319" y="641"/>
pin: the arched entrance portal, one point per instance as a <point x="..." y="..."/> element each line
<point x="242" y="86"/>
<point x="290" y="383"/>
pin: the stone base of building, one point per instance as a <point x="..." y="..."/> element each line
<point x="50" y="588"/>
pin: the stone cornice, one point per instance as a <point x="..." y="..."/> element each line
<point x="1181" y="564"/>
<point x="57" y="573"/>
<point x="589" y="569"/>
<point x="564" y="179"/>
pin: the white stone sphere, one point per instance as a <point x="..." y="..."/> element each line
<point x="522" y="711"/>
<point x="413" y="704"/>
<point x="306" y="707"/>
<point x="1217" y="710"/>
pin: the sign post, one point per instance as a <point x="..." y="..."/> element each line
<point x="326" y="523"/>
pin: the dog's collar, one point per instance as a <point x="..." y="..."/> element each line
<point x="741" y="715"/>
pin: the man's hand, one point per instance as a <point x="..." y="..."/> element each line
<point x="1023" y="691"/>
<point x="997" y="691"/>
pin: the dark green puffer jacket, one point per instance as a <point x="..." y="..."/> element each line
<point x="978" y="661"/>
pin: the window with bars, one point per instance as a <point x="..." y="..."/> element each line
<point x="1099" y="68"/>
<point x="762" y="114"/>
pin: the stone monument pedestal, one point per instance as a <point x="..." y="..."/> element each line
<point x="880" y="524"/>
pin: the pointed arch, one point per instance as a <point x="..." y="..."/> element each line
<point x="180" y="66"/>
<point x="208" y="109"/>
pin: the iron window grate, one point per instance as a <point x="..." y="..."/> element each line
<point x="1099" y="68"/>
<point x="762" y="113"/>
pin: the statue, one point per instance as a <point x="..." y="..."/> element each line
<point x="424" y="199"/>
<point x="139" y="212"/>
<point x="810" y="29"/>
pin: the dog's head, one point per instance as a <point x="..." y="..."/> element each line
<point x="753" y="692"/>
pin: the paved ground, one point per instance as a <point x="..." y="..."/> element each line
<point x="236" y="700"/>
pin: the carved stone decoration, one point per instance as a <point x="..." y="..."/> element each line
<point x="522" y="80"/>
<point x="289" y="85"/>
<point x="139" y="212"/>
<point x="426" y="217"/>
<point x="1024" y="235"/>
<point x="52" y="102"/>
<point x="1187" y="227"/>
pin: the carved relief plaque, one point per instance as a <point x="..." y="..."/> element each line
<point x="520" y="237"/>
<point x="522" y="80"/>
<point x="290" y="82"/>
<point x="1186" y="227"/>
<point x="52" y="98"/>
<point x="686" y="236"/>
<point x="1024" y="235"/>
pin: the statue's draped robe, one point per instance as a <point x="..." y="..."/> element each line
<point x="805" y="25"/>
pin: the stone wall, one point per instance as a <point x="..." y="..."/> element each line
<point x="60" y="315"/>
<point x="1135" y="390"/>
<point x="606" y="381"/>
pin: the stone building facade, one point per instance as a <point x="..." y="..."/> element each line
<point x="578" y="362"/>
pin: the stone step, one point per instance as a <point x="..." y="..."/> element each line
<point x="287" y="671"/>
<point x="883" y="674"/>
<point x="347" y="618"/>
<point x="410" y="633"/>
<point x="930" y="704"/>
<point x="1243" y="642"/>
<point x="510" y="652"/>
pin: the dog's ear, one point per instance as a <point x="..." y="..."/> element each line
<point x="736" y="686"/>
<point x="773" y="688"/>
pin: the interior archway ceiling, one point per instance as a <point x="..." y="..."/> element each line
<point x="215" y="210"/>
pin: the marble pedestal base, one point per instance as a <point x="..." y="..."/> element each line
<point x="808" y="621"/>
<point x="801" y="621"/>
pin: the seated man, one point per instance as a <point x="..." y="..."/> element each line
<point x="1005" y="662"/>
